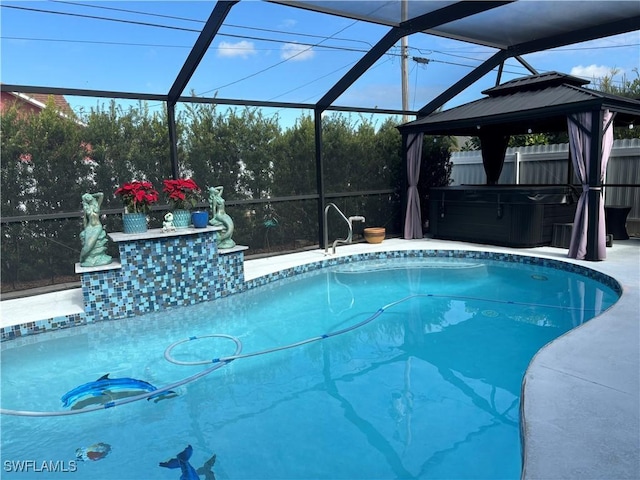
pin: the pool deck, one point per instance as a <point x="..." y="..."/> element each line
<point x="581" y="394"/>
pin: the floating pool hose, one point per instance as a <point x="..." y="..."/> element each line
<point x="222" y="361"/>
<point x="142" y="396"/>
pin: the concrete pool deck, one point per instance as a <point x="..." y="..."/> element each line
<point x="581" y="395"/>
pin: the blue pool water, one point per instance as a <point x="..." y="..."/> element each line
<point x="429" y="388"/>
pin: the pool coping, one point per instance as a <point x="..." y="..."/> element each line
<point x="580" y="414"/>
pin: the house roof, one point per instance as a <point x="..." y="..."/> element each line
<point x="59" y="101"/>
<point x="539" y="103"/>
<point x="40" y="100"/>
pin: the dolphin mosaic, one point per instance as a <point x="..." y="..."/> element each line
<point x="107" y="389"/>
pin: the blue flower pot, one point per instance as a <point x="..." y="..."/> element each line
<point x="200" y="218"/>
<point x="134" y="222"/>
<point x="181" y="218"/>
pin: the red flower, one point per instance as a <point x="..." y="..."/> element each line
<point x="181" y="193"/>
<point x="137" y="196"/>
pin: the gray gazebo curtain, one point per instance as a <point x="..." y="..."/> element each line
<point x="580" y="132"/>
<point x="494" y="147"/>
<point x="413" y="218"/>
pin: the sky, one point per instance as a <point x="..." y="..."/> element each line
<point x="264" y="52"/>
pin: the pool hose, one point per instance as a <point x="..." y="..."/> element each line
<point x="222" y="361"/>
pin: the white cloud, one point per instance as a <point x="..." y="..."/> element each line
<point x="297" y="52"/>
<point x="591" y="72"/>
<point x="288" y="23"/>
<point x="241" y="49"/>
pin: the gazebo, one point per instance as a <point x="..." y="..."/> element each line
<point x="549" y="102"/>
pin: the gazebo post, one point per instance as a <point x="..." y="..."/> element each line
<point x="595" y="186"/>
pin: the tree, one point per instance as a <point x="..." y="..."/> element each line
<point x="131" y="144"/>
<point x="629" y="88"/>
<point x="294" y="173"/>
<point x="213" y="150"/>
<point x="50" y="160"/>
<point x="44" y="170"/>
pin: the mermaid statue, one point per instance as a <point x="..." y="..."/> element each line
<point x="220" y="218"/>
<point x="93" y="237"/>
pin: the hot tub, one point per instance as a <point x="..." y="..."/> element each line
<point x="507" y="215"/>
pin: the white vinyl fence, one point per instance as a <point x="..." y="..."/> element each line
<point x="549" y="164"/>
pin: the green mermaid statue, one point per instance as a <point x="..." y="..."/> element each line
<point x="220" y="218"/>
<point x="93" y="237"/>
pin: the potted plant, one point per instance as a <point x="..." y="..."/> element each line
<point x="137" y="197"/>
<point x="182" y="195"/>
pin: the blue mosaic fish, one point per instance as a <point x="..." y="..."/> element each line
<point x="181" y="461"/>
<point x="105" y="384"/>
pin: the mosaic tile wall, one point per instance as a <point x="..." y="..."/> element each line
<point x="161" y="273"/>
<point x="22" y="334"/>
<point x="504" y="257"/>
<point x="155" y="274"/>
<point x="219" y="276"/>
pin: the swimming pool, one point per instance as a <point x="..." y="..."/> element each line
<point x="428" y="388"/>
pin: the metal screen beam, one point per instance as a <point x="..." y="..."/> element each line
<point x="424" y="22"/>
<point x="317" y="125"/>
<point x="526" y="65"/>
<point x="81" y="92"/>
<point x="201" y="46"/>
<point x="463" y="83"/>
<point x="576" y="36"/>
<point x="156" y="97"/>
<point x="198" y="51"/>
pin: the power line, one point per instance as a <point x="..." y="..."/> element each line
<point x="244" y="37"/>
<point x="415" y="86"/>
<point x="316" y="45"/>
<point x="157" y="25"/>
<point x="372" y="68"/>
<point x="313" y="81"/>
<point x="98" y="42"/>
<point x="173" y="17"/>
<point x="269" y="30"/>
<point x="329" y="47"/>
<point x="94" y="17"/>
<point x="293" y="56"/>
<point x="324" y="38"/>
<point x="597" y="48"/>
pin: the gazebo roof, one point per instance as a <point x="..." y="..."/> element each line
<point x="537" y="103"/>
